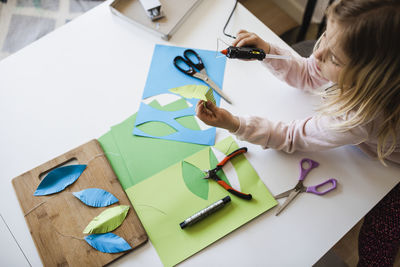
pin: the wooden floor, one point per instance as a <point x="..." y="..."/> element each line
<point x="280" y="22"/>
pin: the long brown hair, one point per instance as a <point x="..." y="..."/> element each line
<point x="369" y="84"/>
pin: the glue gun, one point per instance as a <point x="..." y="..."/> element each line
<point x="244" y="52"/>
<point x="250" y="53"/>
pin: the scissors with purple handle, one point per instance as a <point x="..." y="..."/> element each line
<point x="306" y="165"/>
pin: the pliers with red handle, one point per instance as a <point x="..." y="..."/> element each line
<point x="212" y="174"/>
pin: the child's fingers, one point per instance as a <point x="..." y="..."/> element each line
<point x="239" y="35"/>
<point x="211" y="106"/>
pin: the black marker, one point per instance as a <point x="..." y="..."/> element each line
<point x="205" y="212"/>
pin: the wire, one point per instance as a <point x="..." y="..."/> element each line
<point x="227" y="22"/>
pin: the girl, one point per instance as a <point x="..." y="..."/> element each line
<point x="359" y="55"/>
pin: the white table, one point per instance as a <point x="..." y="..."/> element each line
<point x="76" y="82"/>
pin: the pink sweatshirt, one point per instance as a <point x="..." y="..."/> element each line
<point x="311" y="133"/>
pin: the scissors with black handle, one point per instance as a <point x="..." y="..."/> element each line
<point x="197" y="70"/>
<point x="300" y="188"/>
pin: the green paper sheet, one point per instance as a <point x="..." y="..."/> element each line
<point x="135" y="158"/>
<point x="163" y="201"/>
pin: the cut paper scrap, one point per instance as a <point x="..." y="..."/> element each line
<point x="173" y="244"/>
<point x="107" y="243"/>
<point x="96" y="197"/>
<point x="107" y="221"/>
<point x="59" y="179"/>
<point x="135" y="158"/>
<point x="201" y="92"/>
<point x="148" y="114"/>
<point x="163" y="76"/>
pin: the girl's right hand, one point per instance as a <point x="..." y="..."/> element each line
<point x="212" y="115"/>
<point x="245" y="38"/>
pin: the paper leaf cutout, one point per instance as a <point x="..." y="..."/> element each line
<point x="193" y="178"/>
<point x="58" y="179"/>
<point x="195" y="91"/>
<point x="164" y="129"/>
<point x="107" y="221"/>
<point x="96" y="197"/>
<point x="108" y="243"/>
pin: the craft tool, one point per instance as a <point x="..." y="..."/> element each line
<point x="197" y="70"/>
<point x="198" y="216"/>
<point x="212" y="174"/>
<point x="249" y="53"/>
<point x="306" y="165"/>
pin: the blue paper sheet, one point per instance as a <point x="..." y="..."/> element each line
<point x="163" y="76"/>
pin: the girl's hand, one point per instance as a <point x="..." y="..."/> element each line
<point x="245" y="38"/>
<point x="212" y="115"/>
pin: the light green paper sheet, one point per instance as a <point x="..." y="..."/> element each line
<point x="135" y="158"/>
<point x="163" y="201"/>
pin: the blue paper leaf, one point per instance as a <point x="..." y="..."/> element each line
<point x="96" y="197"/>
<point x="107" y="243"/>
<point x="58" y="179"/>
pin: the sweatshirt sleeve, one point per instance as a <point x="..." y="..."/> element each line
<point x="298" y="72"/>
<point x="309" y="134"/>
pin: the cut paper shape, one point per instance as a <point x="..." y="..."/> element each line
<point x="107" y="243"/>
<point x="187" y="122"/>
<point x="148" y="127"/>
<point x="204" y="137"/>
<point x="107" y="221"/>
<point x="59" y="179"/>
<point x="163" y="76"/>
<point x="96" y="197"/>
<point x="193" y="172"/>
<point x="201" y="92"/>
<point x="174" y="245"/>
<point x="135" y="158"/>
<point x="194" y="180"/>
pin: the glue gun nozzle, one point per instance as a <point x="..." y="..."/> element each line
<point x="225" y="51"/>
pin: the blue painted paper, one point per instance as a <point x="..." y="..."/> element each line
<point x="96" y="197"/>
<point x="162" y="76"/>
<point x="58" y="179"/>
<point x="182" y="133"/>
<point x="107" y="243"/>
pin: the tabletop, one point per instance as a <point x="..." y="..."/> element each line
<point x="73" y="84"/>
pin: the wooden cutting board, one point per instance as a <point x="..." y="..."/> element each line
<point x="56" y="222"/>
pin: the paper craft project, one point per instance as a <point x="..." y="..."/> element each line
<point x="164" y="200"/>
<point x="135" y="158"/>
<point x="107" y="243"/>
<point x="96" y="197"/>
<point x="59" y="179"/>
<point x="201" y="92"/>
<point x="107" y="221"/>
<point x="164" y="76"/>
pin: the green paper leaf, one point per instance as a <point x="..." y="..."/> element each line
<point x="156" y="128"/>
<point x="191" y="91"/>
<point x="194" y="181"/>
<point x="107" y="221"/>
<point x="188" y="122"/>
